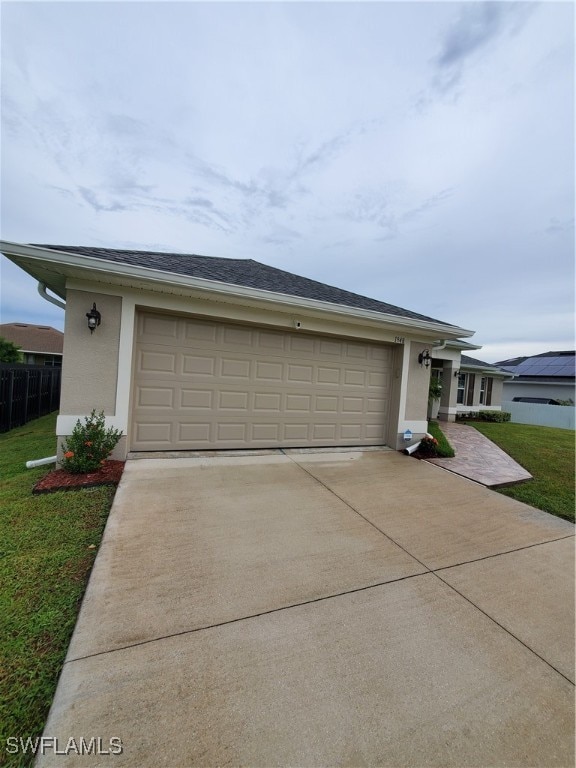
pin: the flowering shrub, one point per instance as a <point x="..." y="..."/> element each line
<point x="428" y="447"/>
<point x="89" y="445"/>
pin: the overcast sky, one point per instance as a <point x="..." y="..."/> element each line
<point x="418" y="153"/>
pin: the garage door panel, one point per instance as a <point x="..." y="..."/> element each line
<point x="267" y="371"/>
<point x="156" y="432"/>
<point x="268" y="401"/>
<point x="233" y="400"/>
<point x="159" y="327"/>
<point x="272" y="341"/>
<point x="298" y="403"/>
<point x="196" y="433"/>
<point x="269" y="433"/>
<point x="234" y="368"/>
<point x="201" y="399"/>
<point x="302" y="344"/>
<point x="213" y="385"/>
<point x="194" y="331"/>
<point x="155" y="397"/>
<point x="153" y="361"/>
<point x="238" y="336"/>
<point x="198" y="365"/>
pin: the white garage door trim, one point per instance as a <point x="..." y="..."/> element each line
<point x="200" y="384"/>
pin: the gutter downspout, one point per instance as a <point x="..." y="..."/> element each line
<point x="41" y="462"/>
<point x="442" y="344"/>
<point x="51" y="299"/>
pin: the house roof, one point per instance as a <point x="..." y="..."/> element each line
<point x="548" y="365"/>
<point x="242" y="272"/>
<point x="472" y="362"/>
<point x="34" y="338"/>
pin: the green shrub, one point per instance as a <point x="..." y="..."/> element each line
<point x="9" y="352"/>
<point x="89" y="445"/>
<point x="434" y="390"/>
<point x="428" y="447"/>
<point x="498" y="416"/>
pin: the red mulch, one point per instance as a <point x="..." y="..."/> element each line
<point x="60" y="480"/>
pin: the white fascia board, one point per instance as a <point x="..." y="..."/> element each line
<point x="459" y="344"/>
<point x="226" y="289"/>
<point x="40" y="352"/>
<point x="488" y="371"/>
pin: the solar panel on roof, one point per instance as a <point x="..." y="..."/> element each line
<point x="555" y="365"/>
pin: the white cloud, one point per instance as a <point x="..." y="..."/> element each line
<point x="417" y="153"/>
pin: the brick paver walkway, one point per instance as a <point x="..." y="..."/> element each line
<point x="478" y="458"/>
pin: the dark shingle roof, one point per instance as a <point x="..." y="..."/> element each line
<point x="243" y="272"/>
<point x="34" y="338"/>
<point x="465" y="360"/>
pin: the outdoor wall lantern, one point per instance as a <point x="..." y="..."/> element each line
<point x="424" y="358"/>
<point x="456" y="374"/>
<point x="94" y="318"/>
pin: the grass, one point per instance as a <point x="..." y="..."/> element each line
<point x="444" y="449"/>
<point x="548" y="454"/>
<point x="45" y="560"/>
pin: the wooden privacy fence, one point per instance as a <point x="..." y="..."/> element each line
<point x="27" y="392"/>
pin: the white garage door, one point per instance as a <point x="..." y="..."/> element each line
<point x="200" y="385"/>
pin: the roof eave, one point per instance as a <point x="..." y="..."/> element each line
<point x="146" y="274"/>
<point x="488" y="371"/>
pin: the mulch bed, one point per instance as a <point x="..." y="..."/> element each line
<point x="60" y="480"/>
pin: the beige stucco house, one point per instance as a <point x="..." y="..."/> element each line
<point x="468" y="385"/>
<point x="194" y="352"/>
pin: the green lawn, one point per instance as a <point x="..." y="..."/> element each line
<point x="444" y="448"/>
<point x="548" y="454"/>
<point x="45" y="560"/>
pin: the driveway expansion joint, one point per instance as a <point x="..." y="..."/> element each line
<point x="248" y="617"/>
<point x="500" y="554"/>
<point x="435" y="573"/>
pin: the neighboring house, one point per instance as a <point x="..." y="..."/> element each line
<point x="468" y="384"/>
<point x="541" y="378"/>
<point x="195" y="352"/>
<point x="39" y="344"/>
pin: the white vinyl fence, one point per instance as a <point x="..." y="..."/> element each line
<point x="562" y="416"/>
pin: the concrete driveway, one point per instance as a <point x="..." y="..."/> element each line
<point x="321" y="609"/>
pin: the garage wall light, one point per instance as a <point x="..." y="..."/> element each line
<point x="424" y="358"/>
<point x="94" y="318"/>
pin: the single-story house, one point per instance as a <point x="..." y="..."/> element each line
<point x="39" y="344"/>
<point x="541" y="378"/>
<point x="187" y="352"/>
<point x="468" y="385"/>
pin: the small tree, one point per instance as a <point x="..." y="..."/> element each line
<point x="89" y="445"/>
<point x="9" y="352"/>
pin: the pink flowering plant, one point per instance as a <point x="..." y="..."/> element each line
<point x="89" y="445"/>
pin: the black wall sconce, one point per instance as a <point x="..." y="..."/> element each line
<point x="94" y="318"/>
<point x="456" y="374"/>
<point x="424" y="358"/>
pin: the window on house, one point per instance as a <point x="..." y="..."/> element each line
<point x="461" y="394"/>
<point x="437" y="375"/>
<point x="53" y="361"/>
<point x="489" y="382"/>
<point x="483" y="390"/>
